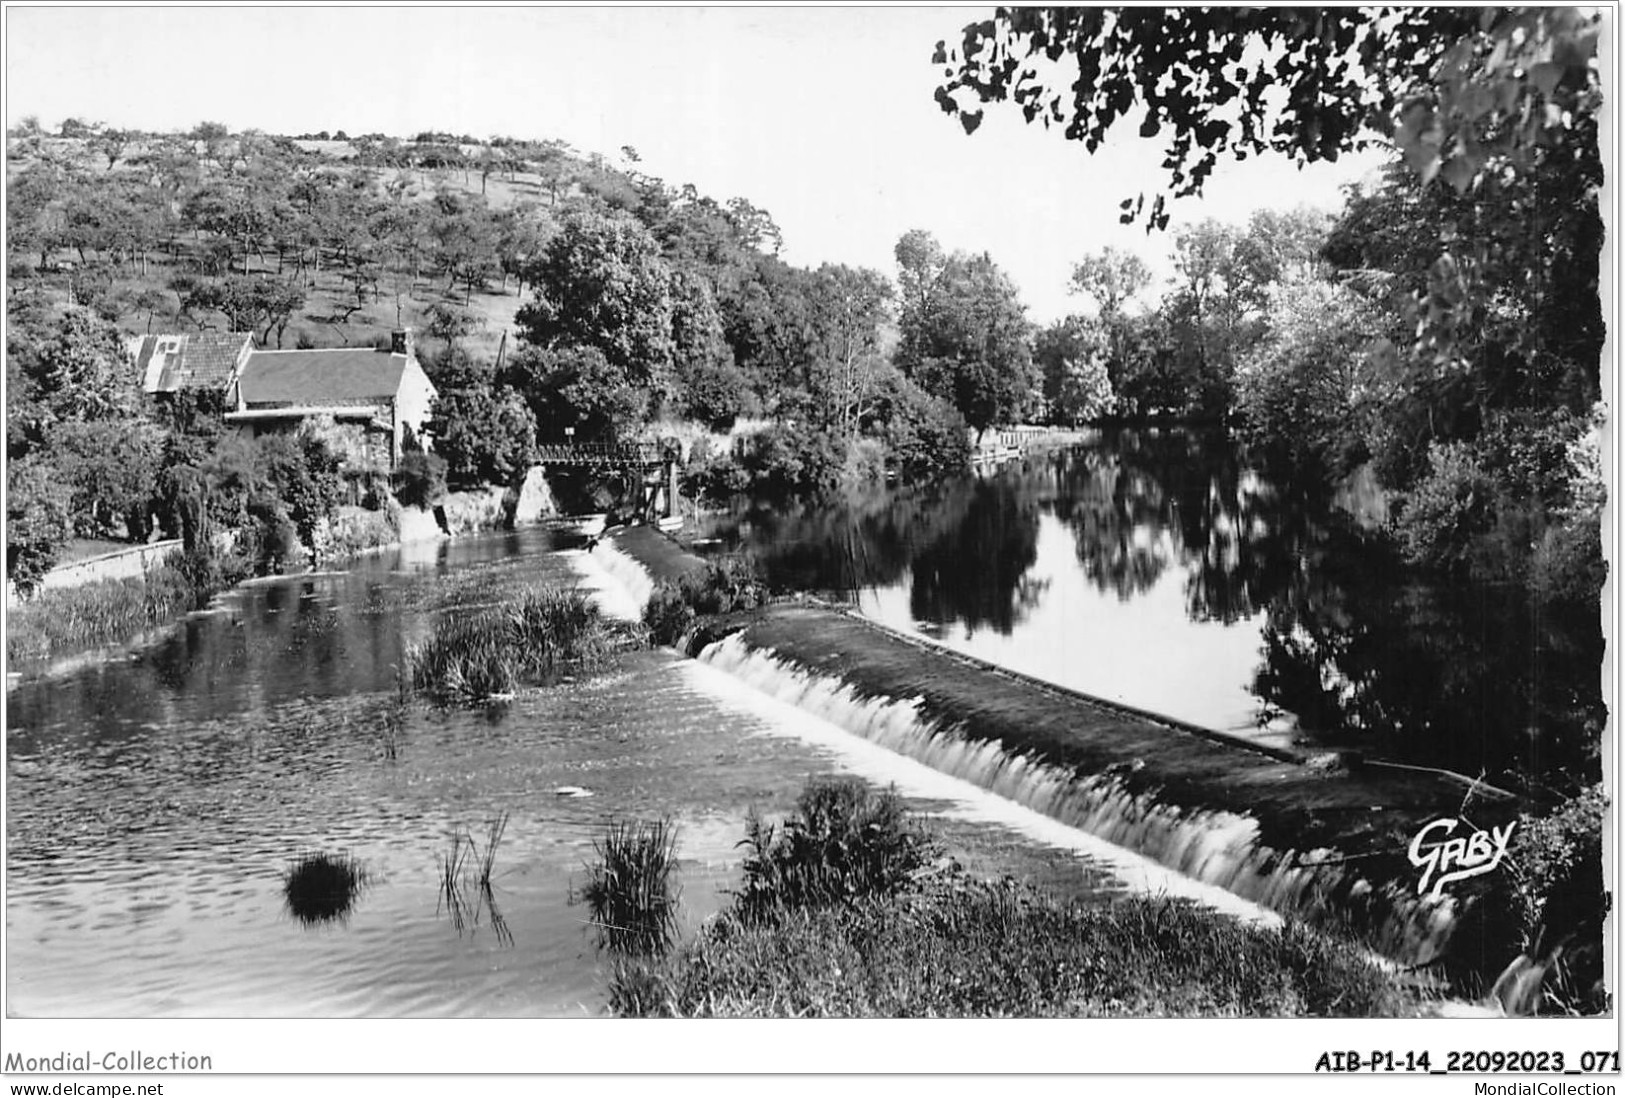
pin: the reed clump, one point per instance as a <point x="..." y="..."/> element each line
<point x="850" y="911"/>
<point x="467" y="889"/>
<point x="322" y="888"/>
<point x="629" y="891"/>
<point x="531" y="642"/>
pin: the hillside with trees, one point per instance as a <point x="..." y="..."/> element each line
<point x="1443" y="327"/>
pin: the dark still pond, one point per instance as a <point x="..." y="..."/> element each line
<point x="1158" y="569"/>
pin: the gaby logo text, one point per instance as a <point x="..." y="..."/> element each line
<point x="1443" y="856"/>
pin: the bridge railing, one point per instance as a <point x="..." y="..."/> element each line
<point x="599" y="453"/>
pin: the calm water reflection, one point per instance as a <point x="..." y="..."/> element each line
<point x="1159" y="569"/>
<point x="159" y="807"/>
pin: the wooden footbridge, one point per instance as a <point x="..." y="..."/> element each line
<point x="650" y="468"/>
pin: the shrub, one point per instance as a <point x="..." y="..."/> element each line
<point x="717" y="394"/>
<point x="667" y="614"/>
<point x="865" y="463"/>
<point x="1545" y="903"/>
<point x="1568" y="565"/>
<point x="304" y="479"/>
<point x="925" y="435"/>
<point x="321" y="888"/>
<point x="420" y="480"/>
<point x="1447" y="509"/>
<point x="845" y="841"/>
<point x="788" y="460"/>
<point x="728" y="583"/>
<point x="725" y="585"/>
<point x="716" y="476"/>
<point x="270" y="538"/>
<point x="629" y="888"/>
<point x="355" y="530"/>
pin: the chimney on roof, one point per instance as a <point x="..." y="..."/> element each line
<point x="400" y="342"/>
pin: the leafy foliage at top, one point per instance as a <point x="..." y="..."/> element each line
<point x="1463" y="91"/>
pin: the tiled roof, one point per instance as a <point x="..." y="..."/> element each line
<point x="321" y="377"/>
<point x="191" y="360"/>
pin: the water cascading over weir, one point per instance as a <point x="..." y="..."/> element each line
<point x="1323" y="843"/>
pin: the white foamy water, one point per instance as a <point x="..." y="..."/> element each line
<point x="611" y="580"/>
<point x="970" y="802"/>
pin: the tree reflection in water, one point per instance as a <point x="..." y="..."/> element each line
<point x="1364" y="651"/>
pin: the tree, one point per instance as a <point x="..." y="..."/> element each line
<point x="769" y="326"/>
<point x="111" y="143"/>
<point x="522" y="231"/>
<point x="755" y="226"/>
<point x="464" y="241"/>
<point x="1112" y="278"/>
<point x="577" y="387"/>
<point x="111" y="469"/>
<point x="303" y="472"/>
<point x="1276" y="246"/>
<point x="601" y="284"/>
<point x="82" y="371"/>
<point x="964" y="333"/>
<point x="489" y="160"/>
<point x="1206" y="313"/>
<point x="1071" y="359"/>
<point x="1306" y="390"/>
<point x="30" y="194"/>
<point x="846" y="307"/>
<point x="710" y="387"/>
<point x="1463" y="91"/>
<point x="257" y="304"/>
<point x="38" y="522"/>
<point x="924" y="434"/>
<point x="450" y="323"/>
<point x="483" y="430"/>
<point x="921" y="266"/>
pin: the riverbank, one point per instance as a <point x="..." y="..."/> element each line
<point x="86" y="617"/>
<point x="850" y="909"/>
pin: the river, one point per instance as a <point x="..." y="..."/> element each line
<point x="156" y="802"/>
<point x="1157" y="568"/>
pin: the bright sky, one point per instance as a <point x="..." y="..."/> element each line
<point x="822" y="116"/>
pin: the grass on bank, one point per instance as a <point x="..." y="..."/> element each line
<point x="62" y="620"/>
<point x="850" y="912"/>
<point x="530" y="642"/>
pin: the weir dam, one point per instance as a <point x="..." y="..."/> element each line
<point x="1324" y="838"/>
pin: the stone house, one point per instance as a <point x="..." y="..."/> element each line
<point x="379" y="399"/>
